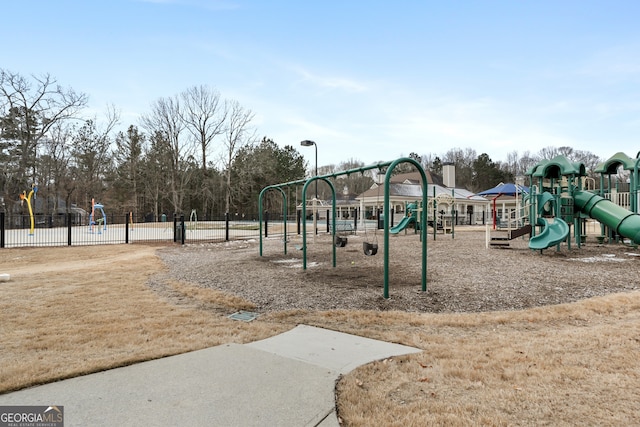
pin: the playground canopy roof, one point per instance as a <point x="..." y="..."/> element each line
<point x="610" y="166"/>
<point x="508" y="189"/>
<point x="556" y="168"/>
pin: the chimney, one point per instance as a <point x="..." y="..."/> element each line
<point x="449" y="175"/>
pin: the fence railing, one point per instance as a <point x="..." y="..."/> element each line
<point x="74" y="230"/>
<point x="69" y="230"/>
<point x="620" y="199"/>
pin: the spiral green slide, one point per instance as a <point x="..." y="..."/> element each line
<point x="554" y="231"/>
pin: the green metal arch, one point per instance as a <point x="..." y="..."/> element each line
<point x="304" y="217"/>
<point x="423" y="221"/>
<point x="284" y="196"/>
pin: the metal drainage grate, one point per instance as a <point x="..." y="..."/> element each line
<point x="245" y="316"/>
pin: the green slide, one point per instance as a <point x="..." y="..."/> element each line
<point x="622" y="221"/>
<point x="402" y="225"/>
<point x="554" y="231"/>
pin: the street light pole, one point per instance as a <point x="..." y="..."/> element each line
<point x="309" y="143"/>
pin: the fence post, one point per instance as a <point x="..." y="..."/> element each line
<point x="126" y="228"/>
<point x="2" y="227"/>
<point x="355" y="219"/>
<point x="175" y="228"/>
<point x="182" y="229"/>
<point x="69" y="220"/>
<point x="328" y="228"/>
<point x="226" y="226"/>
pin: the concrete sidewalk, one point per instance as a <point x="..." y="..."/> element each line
<point x="286" y="380"/>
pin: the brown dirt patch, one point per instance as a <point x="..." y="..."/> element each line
<point x="462" y="275"/>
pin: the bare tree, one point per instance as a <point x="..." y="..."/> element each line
<point x="463" y="161"/>
<point x="29" y="109"/>
<point x="550" y="152"/>
<point x="589" y="160"/>
<point x="166" y="123"/>
<point x="57" y="175"/>
<point x="238" y="133"/>
<point x="204" y="115"/>
<point x="427" y="161"/>
<point x="92" y="157"/>
<point x="511" y="165"/>
<point x="355" y="183"/>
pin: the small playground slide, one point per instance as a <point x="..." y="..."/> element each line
<point x="553" y="232"/>
<point x="622" y="221"/>
<point x="402" y="225"/>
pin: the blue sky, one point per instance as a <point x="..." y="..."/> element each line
<point x="369" y="80"/>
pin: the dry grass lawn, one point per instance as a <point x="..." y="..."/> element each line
<point x="72" y="311"/>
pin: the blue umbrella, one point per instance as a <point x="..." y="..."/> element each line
<point x="508" y="189"/>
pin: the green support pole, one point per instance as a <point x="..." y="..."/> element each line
<point x="636" y="184"/>
<point x="304" y="216"/>
<point x="609" y="231"/>
<point x="453" y="219"/>
<point x="386" y="224"/>
<point x="602" y="184"/>
<point x="435" y="213"/>
<point x="284" y="196"/>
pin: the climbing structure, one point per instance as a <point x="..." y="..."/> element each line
<point x="558" y="201"/>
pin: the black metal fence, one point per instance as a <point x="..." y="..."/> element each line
<point x="70" y="229"/>
<point x="75" y="229"/>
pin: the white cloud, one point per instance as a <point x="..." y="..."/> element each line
<point x="330" y="82"/>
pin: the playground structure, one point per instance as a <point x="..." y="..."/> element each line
<point x="560" y="198"/>
<point x="23" y="197"/>
<point x="369" y="248"/>
<point x="516" y="224"/>
<point x="411" y="211"/>
<point x="560" y="195"/>
<point x="558" y="201"/>
<point x="100" y="222"/>
<point x="438" y="219"/>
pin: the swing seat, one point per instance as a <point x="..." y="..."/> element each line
<point x="369" y="248"/>
<point x="341" y="242"/>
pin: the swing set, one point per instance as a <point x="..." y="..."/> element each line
<point x="369" y="248"/>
